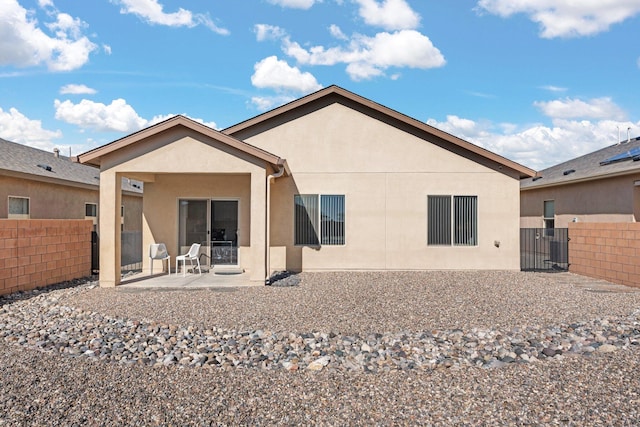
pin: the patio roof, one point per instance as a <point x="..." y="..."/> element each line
<point x="94" y="157"/>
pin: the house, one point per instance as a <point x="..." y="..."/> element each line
<point x="36" y="184"/>
<point x="331" y="181"/>
<point x="603" y="186"/>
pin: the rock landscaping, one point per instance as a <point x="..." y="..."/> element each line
<point x="79" y="321"/>
<point x="44" y="322"/>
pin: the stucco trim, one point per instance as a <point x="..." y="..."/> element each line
<point x="94" y="156"/>
<point x="290" y="108"/>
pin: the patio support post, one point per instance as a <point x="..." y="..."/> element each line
<point x="258" y="239"/>
<point x="110" y="237"/>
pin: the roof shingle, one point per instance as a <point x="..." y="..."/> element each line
<point x="587" y="167"/>
<point x="24" y="159"/>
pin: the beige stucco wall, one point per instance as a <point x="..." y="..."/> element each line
<point x="49" y="200"/>
<point x="386" y="175"/>
<point x="161" y="206"/>
<point x="46" y="200"/>
<point x="607" y="200"/>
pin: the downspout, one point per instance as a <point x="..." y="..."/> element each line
<point x="267" y="260"/>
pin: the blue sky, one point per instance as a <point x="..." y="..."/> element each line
<point x="537" y="81"/>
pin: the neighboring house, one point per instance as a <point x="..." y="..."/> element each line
<point x="331" y="181"/>
<point x="36" y="184"/>
<point x="603" y="186"/>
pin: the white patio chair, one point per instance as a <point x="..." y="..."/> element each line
<point x="193" y="254"/>
<point x="159" y="251"/>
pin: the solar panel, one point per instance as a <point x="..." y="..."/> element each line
<point x="622" y="156"/>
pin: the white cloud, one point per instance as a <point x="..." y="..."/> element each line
<point x="268" y="32"/>
<point x="566" y="18"/>
<point x="118" y="116"/>
<point x="536" y="146"/>
<point x="207" y="22"/>
<point x="16" y="127"/>
<point x="212" y="125"/>
<point x="107" y="49"/>
<point x="552" y="88"/>
<point x="389" y="14"/>
<point x="481" y="95"/>
<point x="23" y="43"/>
<point x="295" y="4"/>
<point x="597" y="108"/>
<point x="163" y="117"/>
<point x="264" y="103"/>
<point x="74" y="89"/>
<point x="115" y="117"/>
<point x="367" y="57"/>
<point x="277" y="74"/>
<point x="337" y="33"/>
<point x="152" y="12"/>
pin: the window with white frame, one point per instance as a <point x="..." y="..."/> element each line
<point x="90" y="210"/>
<point x="549" y="216"/>
<point x="18" y="208"/>
<point x="319" y="219"/>
<point x="452" y="220"/>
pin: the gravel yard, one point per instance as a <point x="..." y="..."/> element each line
<point x="366" y="302"/>
<point x="401" y="348"/>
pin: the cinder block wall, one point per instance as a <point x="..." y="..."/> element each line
<point x="609" y="251"/>
<point x="36" y="253"/>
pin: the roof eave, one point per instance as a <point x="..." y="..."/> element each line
<point x="523" y="171"/>
<point x="94" y="156"/>
<point x="49" y="180"/>
<point x="583" y="179"/>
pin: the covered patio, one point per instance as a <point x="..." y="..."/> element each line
<point x="200" y="186"/>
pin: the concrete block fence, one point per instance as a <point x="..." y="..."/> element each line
<point x="609" y="251"/>
<point x="36" y="253"/>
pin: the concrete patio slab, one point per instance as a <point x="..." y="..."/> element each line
<point x="206" y="280"/>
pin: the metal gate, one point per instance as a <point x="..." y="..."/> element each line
<point x="544" y="249"/>
<point x="95" y="253"/>
<point x="130" y="254"/>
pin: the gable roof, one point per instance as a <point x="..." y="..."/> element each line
<point x="337" y="94"/>
<point x="590" y="166"/>
<point x="32" y="163"/>
<point x="94" y="156"/>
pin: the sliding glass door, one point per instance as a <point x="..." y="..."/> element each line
<point x="192" y="224"/>
<point x="224" y="232"/>
<point x="213" y="224"/>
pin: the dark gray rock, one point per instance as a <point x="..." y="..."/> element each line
<point x="284" y="279"/>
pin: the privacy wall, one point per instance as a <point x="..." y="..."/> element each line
<point x="609" y="251"/>
<point x="37" y="253"/>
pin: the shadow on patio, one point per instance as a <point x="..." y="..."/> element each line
<point x="206" y="280"/>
